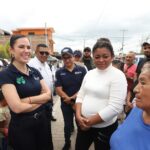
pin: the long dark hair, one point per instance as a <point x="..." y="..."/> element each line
<point x="13" y="40"/>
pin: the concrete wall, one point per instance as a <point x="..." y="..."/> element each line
<point x="34" y="40"/>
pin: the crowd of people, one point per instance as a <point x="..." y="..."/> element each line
<point x="94" y="88"/>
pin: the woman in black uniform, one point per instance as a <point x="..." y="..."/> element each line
<point x="25" y="92"/>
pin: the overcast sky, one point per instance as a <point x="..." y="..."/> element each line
<point x="79" y="23"/>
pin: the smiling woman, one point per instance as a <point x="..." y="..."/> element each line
<point x="100" y="100"/>
<point x="134" y="133"/>
<point x="25" y="91"/>
<point x="20" y="49"/>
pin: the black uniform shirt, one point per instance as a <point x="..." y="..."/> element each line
<point x="141" y="64"/>
<point x="26" y="85"/>
<point x="70" y="81"/>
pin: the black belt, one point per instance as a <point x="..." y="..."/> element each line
<point x="35" y="115"/>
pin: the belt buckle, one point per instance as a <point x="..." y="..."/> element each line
<point x="36" y="115"/>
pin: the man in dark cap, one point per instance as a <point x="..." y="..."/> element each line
<point x="78" y="58"/>
<point x="87" y="59"/>
<point x="68" y="82"/>
<point x="146" y="51"/>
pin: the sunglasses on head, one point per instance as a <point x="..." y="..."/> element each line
<point x="44" y="53"/>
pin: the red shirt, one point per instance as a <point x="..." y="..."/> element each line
<point x="130" y="73"/>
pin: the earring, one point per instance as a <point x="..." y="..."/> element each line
<point x="12" y="56"/>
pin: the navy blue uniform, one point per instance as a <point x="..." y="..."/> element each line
<point x="27" y="131"/>
<point x="70" y="83"/>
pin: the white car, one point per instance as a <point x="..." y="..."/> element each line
<point x="3" y="63"/>
<point x="137" y="58"/>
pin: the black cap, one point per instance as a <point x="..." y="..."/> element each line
<point x="67" y="50"/>
<point x="87" y="49"/>
<point x="77" y="53"/>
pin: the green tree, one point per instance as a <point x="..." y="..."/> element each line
<point x="4" y="50"/>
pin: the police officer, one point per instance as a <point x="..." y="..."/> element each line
<point x="68" y="82"/>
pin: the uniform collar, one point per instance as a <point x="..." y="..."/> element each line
<point x="75" y="66"/>
<point x="14" y="69"/>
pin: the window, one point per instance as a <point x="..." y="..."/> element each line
<point x="31" y="33"/>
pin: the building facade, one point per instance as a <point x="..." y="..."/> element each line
<point x="37" y="36"/>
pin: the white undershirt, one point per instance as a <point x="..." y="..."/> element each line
<point x="44" y="69"/>
<point x="103" y="92"/>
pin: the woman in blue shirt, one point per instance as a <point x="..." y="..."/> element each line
<point x="134" y="133"/>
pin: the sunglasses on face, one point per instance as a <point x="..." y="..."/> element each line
<point x="44" y="53"/>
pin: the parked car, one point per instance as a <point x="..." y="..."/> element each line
<point x="137" y="58"/>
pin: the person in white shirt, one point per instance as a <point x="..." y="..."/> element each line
<point x="100" y="100"/>
<point x="40" y="63"/>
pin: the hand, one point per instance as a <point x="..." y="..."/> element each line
<point x="5" y="132"/>
<point x="126" y="75"/>
<point x="82" y="123"/>
<point x="129" y="76"/>
<point x="67" y="100"/>
<point x="128" y="107"/>
<point x="3" y="103"/>
<point x="129" y="104"/>
<point x="74" y="96"/>
<point x="94" y="119"/>
<point x="73" y="107"/>
<point x="84" y="128"/>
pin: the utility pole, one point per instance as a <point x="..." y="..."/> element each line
<point x="30" y="39"/>
<point x="123" y="33"/>
<point x="46" y="41"/>
<point x="83" y="43"/>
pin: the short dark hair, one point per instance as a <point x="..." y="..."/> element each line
<point x="103" y="44"/>
<point x="41" y="45"/>
<point x="14" y="38"/>
<point x="145" y="44"/>
<point x="87" y="49"/>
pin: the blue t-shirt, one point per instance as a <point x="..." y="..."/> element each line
<point x="70" y="81"/>
<point x="133" y="134"/>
